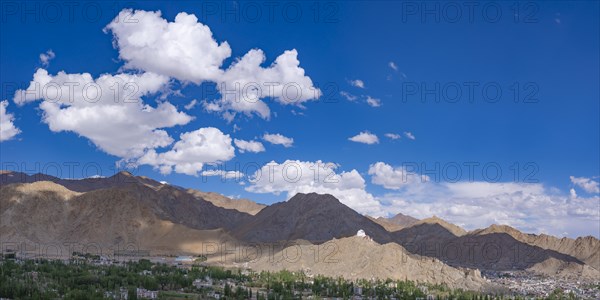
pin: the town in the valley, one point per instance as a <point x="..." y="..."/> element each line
<point x="89" y="276"/>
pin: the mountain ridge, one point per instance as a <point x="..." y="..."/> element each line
<point x="126" y="208"/>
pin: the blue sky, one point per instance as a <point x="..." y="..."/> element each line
<point x="547" y="51"/>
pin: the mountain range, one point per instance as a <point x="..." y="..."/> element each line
<point x="164" y="219"/>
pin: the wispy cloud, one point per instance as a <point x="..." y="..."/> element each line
<point x="46" y="57"/>
<point x="278" y="139"/>
<point x="191" y="104"/>
<point x="373" y="102"/>
<point x="348" y="96"/>
<point x="393" y="136"/>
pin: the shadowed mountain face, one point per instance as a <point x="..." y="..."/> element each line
<point x="492" y="251"/>
<point x="120" y="179"/>
<point x="313" y="217"/>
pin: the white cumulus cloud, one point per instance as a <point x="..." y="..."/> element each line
<point x="193" y="150"/>
<point x="394" y="178"/>
<point x="249" y="146"/>
<point x="8" y="130"/>
<point x="108" y="110"/>
<point x="186" y="50"/>
<point x="365" y="137"/>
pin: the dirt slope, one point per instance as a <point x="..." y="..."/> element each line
<point x="357" y="257"/>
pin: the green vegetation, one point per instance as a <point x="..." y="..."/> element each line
<point x="80" y="279"/>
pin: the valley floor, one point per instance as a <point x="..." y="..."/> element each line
<point x="97" y="277"/>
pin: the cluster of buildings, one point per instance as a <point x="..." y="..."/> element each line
<point x="528" y="284"/>
<point x="123" y="294"/>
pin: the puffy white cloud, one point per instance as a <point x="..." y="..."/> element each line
<point x="186" y="50"/>
<point x="365" y="137"/>
<point x="393" y="178"/>
<point x="393" y="66"/>
<point x="393" y="136"/>
<point x="245" y="83"/>
<point x="587" y="184"/>
<point x="278" y="139"/>
<point x="294" y="176"/>
<point x="249" y="146"/>
<point x="192" y="151"/>
<point x="373" y="102"/>
<point x="8" y="130"/>
<point x="46" y="57"/>
<point x="108" y="110"/>
<point x="357" y="83"/>
<point x="409" y="135"/>
<point x="224" y="174"/>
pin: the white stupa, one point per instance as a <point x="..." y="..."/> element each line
<point x="361" y="233"/>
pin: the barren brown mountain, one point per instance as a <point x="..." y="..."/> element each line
<point x="313" y="217"/>
<point x="124" y="178"/>
<point x="125" y="209"/>
<point x="489" y="251"/>
<point x="45" y="213"/>
<point x="396" y="222"/>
